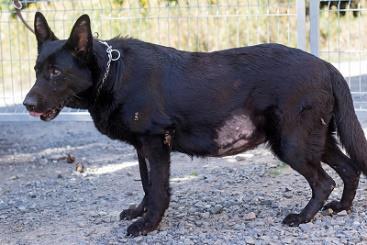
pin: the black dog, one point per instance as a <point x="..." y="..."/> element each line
<point x="159" y="100"/>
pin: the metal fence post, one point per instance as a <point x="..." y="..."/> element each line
<point x="314" y="26"/>
<point x="301" y="24"/>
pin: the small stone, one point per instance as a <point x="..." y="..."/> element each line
<point x="218" y="242"/>
<point x="138" y="239"/>
<point x="343" y="213"/>
<point x="14" y="177"/>
<point x="198" y="223"/>
<point x="3" y="205"/>
<point x="356" y="223"/>
<point x="288" y="240"/>
<point x="216" y="209"/>
<point x="363" y="237"/>
<point x="287" y="195"/>
<point x="79" y="168"/>
<point x="269" y="220"/>
<point x="240" y="158"/>
<point x="306" y="227"/>
<point x="44" y="161"/>
<point x="205" y="215"/>
<point x="81" y="224"/>
<point x="155" y="232"/>
<point x="266" y="239"/>
<point x="22" y="208"/>
<point x="249" y="240"/>
<point x="327" y="212"/>
<point x="336" y="222"/>
<point x="239" y="226"/>
<point x="187" y="241"/>
<point x="250" y="216"/>
<point x="114" y="217"/>
<point x="287" y="189"/>
<point x="59" y="176"/>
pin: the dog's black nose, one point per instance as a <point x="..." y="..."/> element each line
<point x="30" y="102"/>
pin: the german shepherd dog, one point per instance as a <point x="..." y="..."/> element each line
<point x="160" y="100"/>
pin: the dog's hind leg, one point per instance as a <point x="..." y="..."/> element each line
<point x="134" y="212"/>
<point x="343" y="165"/>
<point x="321" y="184"/>
<point x="292" y="149"/>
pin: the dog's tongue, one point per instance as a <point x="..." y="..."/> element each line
<point x="35" y="114"/>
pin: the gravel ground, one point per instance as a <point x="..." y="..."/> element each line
<point x="233" y="200"/>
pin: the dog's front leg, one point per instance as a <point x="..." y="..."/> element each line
<point x="133" y="212"/>
<point x="157" y="199"/>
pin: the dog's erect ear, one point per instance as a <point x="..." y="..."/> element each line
<point x="42" y="30"/>
<point x="81" y="39"/>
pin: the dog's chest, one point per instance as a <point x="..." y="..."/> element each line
<point x="111" y="124"/>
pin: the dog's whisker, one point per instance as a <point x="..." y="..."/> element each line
<point x="76" y="96"/>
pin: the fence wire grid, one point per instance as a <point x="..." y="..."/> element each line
<point x="343" y="42"/>
<point x="188" y="25"/>
<point x="193" y="25"/>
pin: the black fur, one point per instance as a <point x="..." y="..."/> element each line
<point x="160" y="99"/>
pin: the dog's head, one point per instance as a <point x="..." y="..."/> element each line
<point x="62" y="68"/>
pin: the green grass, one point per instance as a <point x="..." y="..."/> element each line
<point x="279" y="170"/>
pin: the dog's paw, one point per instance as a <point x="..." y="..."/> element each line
<point x="141" y="227"/>
<point x="294" y="220"/>
<point x="337" y="206"/>
<point x="131" y="213"/>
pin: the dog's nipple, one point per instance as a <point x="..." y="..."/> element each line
<point x="136" y="116"/>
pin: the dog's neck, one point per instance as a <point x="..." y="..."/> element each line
<point x="106" y="58"/>
<point x="103" y="81"/>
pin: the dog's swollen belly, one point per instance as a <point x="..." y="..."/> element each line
<point x="237" y="134"/>
<point x="234" y="135"/>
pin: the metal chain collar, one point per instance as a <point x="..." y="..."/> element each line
<point x="111" y="58"/>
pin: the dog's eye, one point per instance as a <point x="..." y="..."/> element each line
<point x="54" y="72"/>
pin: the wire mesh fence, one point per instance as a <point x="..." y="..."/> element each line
<point x="343" y="43"/>
<point x="200" y="25"/>
<point x="194" y="25"/>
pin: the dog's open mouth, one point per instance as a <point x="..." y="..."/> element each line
<point x="47" y="115"/>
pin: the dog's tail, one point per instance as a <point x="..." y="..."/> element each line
<point x="349" y="129"/>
